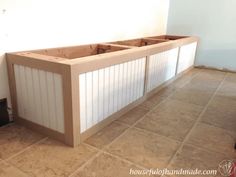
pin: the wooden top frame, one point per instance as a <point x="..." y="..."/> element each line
<point x="95" y="56"/>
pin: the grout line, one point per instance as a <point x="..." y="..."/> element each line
<point x="147" y="113"/>
<point x="215" y="126"/>
<point x="154" y="133"/>
<point x="9" y="158"/>
<point x="84" y="164"/>
<point x="164" y="99"/>
<point x="197" y="121"/>
<point x="121" y="123"/>
<point x="115" y="156"/>
<point x="207" y="149"/>
<point x="7" y="163"/>
<point x="102" y="150"/>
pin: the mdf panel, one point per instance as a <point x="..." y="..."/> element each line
<point x="101" y="88"/>
<point x="106" y="91"/>
<point x="39" y="97"/>
<point x="186" y="57"/>
<point x="162" y="67"/>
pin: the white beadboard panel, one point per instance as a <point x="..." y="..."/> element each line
<point x="186" y="56"/>
<point x="106" y="91"/>
<point x="40" y="97"/>
<point x="162" y="67"/>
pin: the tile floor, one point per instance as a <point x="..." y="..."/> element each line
<point x="188" y="124"/>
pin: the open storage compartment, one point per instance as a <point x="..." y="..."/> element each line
<point x="80" y="51"/>
<point x="168" y="37"/>
<point x="139" y="42"/>
<point x="70" y="93"/>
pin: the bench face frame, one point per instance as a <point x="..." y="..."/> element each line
<point x="63" y="61"/>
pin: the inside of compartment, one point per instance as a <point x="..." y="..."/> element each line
<point x="168" y="37"/>
<point x="139" y="42"/>
<point x="80" y="51"/>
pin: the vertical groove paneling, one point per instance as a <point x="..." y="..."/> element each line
<point x="30" y="95"/>
<point x="130" y="81"/>
<point x="23" y="92"/>
<point x="89" y="98"/>
<point x="44" y="96"/>
<point x="116" y="88"/>
<point x="106" y="91"/>
<point x="59" y="102"/>
<point x="121" y="88"/>
<point x="125" y="85"/>
<point x="95" y="95"/>
<point x="162" y="67"/>
<point x="83" y="100"/>
<point x="39" y="97"/>
<point x="101" y="94"/>
<point x="186" y="56"/>
<point x="51" y="101"/>
<point x="111" y="90"/>
<point x="18" y="89"/>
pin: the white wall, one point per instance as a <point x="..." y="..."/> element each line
<point x="214" y="21"/>
<point x="33" y="24"/>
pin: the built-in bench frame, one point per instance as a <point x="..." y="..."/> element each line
<point x="35" y="78"/>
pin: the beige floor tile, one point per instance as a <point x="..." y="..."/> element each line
<point x="167" y="90"/>
<point x="221" y="113"/>
<point x="133" y="115"/>
<point x="52" y="159"/>
<point x="223" y="102"/>
<point x="220" y="118"/>
<point x="212" y="74"/>
<point x="172" y="118"/>
<point x="231" y="77"/>
<point x="227" y="89"/>
<point x="7" y="170"/>
<point x="178" y="108"/>
<point x="213" y="138"/>
<point x="15" y="138"/>
<point x="190" y="157"/>
<point x="197" y="84"/>
<point x="146" y="149"/>
<point x="106" y="135"/>
<point x="200" y="98"/>
<point x="183" y="80"/>
<point x="180" y="82"/>
<point x="167" y="124"/>
<point x="150" y="103"/>
<point x="107" y="166"/>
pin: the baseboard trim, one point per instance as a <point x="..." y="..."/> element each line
<point x="216" y="69"/>
<point x="40" y="129"/>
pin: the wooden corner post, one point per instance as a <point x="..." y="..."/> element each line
<point x="71" y="106"/>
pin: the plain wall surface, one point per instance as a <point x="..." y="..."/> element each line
<point x="214" y="21"/>
<point x="32" y="24"/>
